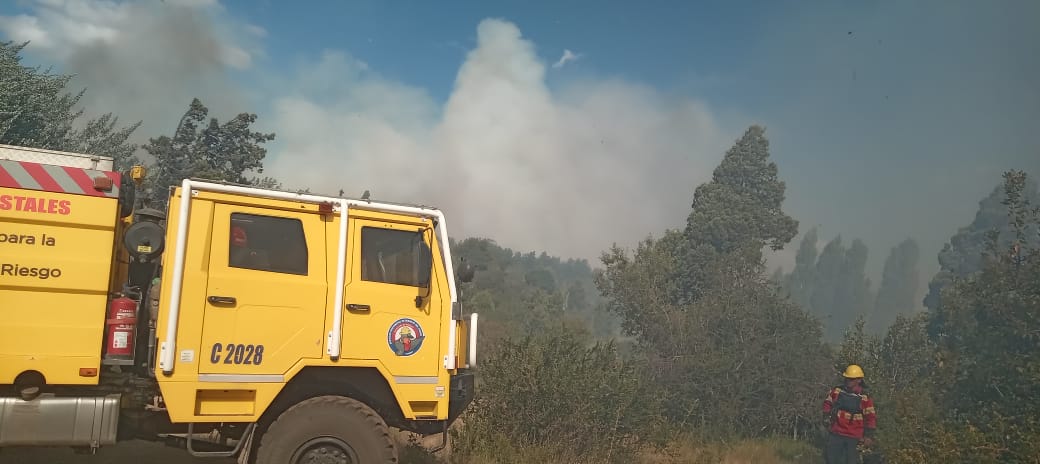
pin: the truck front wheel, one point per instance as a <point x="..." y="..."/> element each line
<point x="327" y="429"/>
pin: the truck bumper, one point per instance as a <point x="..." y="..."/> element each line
<point x="462" y="390"/>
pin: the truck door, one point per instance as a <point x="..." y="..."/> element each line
<point x="393" y="307"/>
<point x="266" y="297"/>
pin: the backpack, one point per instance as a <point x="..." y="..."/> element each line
<point x="849" y="402"/>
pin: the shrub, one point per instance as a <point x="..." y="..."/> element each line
<point x="554" y="395"/>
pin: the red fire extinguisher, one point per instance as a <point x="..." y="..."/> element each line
<point x="121" y="325"/>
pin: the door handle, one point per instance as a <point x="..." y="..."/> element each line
<point x="358" y="307"/>
<point x="221" y="299"/>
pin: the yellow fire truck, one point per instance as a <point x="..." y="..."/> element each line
<point x="272" y="326"/>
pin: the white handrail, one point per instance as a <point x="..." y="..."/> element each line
<point x="167" y="347"/>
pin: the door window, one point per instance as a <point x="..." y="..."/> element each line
<point x="267" y="243"/>
<point x="399" y="257"/>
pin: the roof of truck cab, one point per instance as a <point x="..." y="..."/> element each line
<point x="374" y="202"/>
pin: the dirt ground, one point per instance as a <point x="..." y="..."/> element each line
<point x="139" y="452"/>
<point x="136" y="452"/>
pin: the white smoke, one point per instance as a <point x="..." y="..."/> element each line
<point x="143" y="61"/>
<point x="568" y="171"/>
<point x="506" y="158"/>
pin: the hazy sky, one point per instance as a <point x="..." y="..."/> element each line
<point x="569" y="127"/>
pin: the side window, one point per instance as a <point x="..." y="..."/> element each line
<point x="392" y="256"/>
<point x="266" y="243"/>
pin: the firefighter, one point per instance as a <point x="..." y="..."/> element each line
<point x="851" y="418"/>
<point x="239" y="256"/>
<point x="242" y="254"/>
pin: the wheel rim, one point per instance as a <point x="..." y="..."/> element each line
<point x="324" y="450"/>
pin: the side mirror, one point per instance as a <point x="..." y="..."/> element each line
<point x="466" y="272"/>
<point x="424" y="260"/>
<point x="425" y="263"/>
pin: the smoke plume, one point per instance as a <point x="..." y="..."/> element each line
<point x="566" y="172"/>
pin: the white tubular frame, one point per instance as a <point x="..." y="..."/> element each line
<point x="472" y="361"/>
<point x="188" y="188"/>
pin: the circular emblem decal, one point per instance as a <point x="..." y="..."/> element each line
<point x="405" y="337"/>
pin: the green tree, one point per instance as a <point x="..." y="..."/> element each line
<point x="907" y="355"/>
<point x="523" y="293"/>
<point x="641" y="289"/>
<point x="575" y="297"/>
<point x="36" y="111"/>
<point x="736" y="214"/>
<point x="898" y="290"/>
<point x="989" y="337"/>
<point x="743" y="361"/>
<point x="962" y="255"/>
<point x="965" y="393"/>
<point x="209" y="150"/>
<point x="801" y="282"/>
<point x="841" y="292"/>
<point x="728" y="348"/>
<point x="541" y="279"/>
<point x="825" y="299"/>
<point x="858" y="347"/>
<point x="854" y="296"/>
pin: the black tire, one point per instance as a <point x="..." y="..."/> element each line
<point x="336" y="427"/>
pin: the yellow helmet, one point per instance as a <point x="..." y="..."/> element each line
<point x="853" y="372"/>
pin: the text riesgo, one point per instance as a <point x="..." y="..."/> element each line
<point x="17" y="270"/>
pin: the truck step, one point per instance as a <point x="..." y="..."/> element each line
<point x="212" y="444"/>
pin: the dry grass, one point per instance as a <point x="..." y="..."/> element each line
<point x="773" y="451"/>
<point x="681" y="451"/>
<point x="413" y="449"/>
<point x="684" y="451"/>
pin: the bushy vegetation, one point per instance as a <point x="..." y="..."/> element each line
<point x="555" y="393"/>
<point x="727" y="355"/>
<point x="718" y="352"/>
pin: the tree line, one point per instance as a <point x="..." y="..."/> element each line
<point x="714" y="349"/>
<point x="832" y="283"/>
<point x="687" y="336"/>
<point x="37" y="110"/>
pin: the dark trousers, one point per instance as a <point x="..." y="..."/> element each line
<point x="841" y="450"/>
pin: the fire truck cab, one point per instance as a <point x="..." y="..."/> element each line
<point x="268" y="325"/>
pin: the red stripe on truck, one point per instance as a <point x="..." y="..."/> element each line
<point x="36" y="176"/>
<point x="115" y="176"/>
<point x="6" y="180"/>
<point x="41" y="177"/>
<point x="83" y="181"/>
